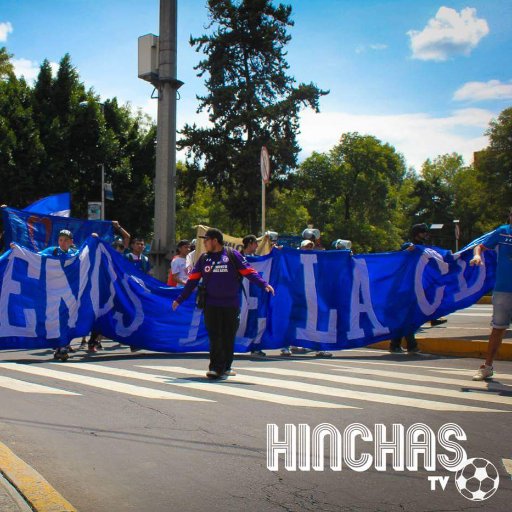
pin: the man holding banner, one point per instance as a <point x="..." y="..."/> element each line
<point x="221" y="270"/>
<point x="65" y="248"/>
<point x="501" y="240"/>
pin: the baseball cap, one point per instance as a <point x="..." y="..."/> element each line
<point x="214" y="233"/>
<point x="311" y="234"/>
<point x="306" y="243"/>
<point x="66" y="232"/>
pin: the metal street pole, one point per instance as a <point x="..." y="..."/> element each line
<point x="103" y="191"/>
<point x="457" y="234"/>
<point x="165" y="177"/>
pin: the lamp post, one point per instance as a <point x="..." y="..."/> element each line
<point x="102" y="165"/>
<point x="457" y="234"/>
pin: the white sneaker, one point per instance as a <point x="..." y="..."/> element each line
<point x="323" y="353"/>
<point x="484" y="372"/>
<point x="230" y="373"/>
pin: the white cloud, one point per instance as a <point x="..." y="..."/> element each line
<point x="417" y="136"/>
<point x="483" y="91"/>
<point x="5" y="30"/>
<point x="450" y="33"/>
<point x="26" y="68"/>
<point x="375" y="47"/>
<point x="29" y="69"/>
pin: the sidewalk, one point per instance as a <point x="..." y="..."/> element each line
<point x="23" y="489"/>
<point x="10" y="499"/>
<point x="460" y="342"/>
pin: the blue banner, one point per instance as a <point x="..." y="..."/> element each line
<point x="38" y="231"/>
<point x="58" y="204"/>
<point x="324" y="299"/>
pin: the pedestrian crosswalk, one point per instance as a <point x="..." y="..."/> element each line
<point x="337" y="384"/>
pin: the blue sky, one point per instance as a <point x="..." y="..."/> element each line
<point x="425" y="76"/>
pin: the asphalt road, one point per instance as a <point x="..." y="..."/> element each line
<point x="146" y="431"/>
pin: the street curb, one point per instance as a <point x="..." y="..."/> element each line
<point x="36" y="491"/>
<point x="455" y="347"/>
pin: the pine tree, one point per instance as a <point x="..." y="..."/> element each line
<point x="251" y="102"/>
<point x="6" y="67"/>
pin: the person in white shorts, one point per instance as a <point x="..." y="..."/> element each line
<point x="501" y="240"/>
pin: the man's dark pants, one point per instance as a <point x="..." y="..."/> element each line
<point x="221" y="324"/>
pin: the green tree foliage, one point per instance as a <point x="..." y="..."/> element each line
<point x="494" y="166"/>
<point x="55" y="136"/>
<point x="198" y="208"/>
<point x="20" y="147"/>
<point x="351" y="192"/>
<point x="448" y="190"/>
<point x="289" y="214"/>
<point x="6" y="67"/>
<point x="251" y="101"/>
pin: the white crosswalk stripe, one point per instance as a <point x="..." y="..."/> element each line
<point x="111" y="385"/>
<point x="29" y="387"/>
<point x="469" y="373"/>
<point x="424" y="390"/>
<point x="464" y="383"/>
<point x="347" y="383"/>
<point x="213" y="386"/>
<point x="384" y="363"/>
<point x="336" y="392"/>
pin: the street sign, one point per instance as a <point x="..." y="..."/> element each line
<point x="94" y="210"/>
<point x="265" y="165"/>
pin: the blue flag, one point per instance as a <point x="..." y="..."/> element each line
<point x="58" y="204"/>
<point x="38" y="231"/>
<point x="324" y="299"/>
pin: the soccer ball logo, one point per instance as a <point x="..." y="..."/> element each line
<point x="477" y="480"/>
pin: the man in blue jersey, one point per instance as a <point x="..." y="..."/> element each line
<point x="64" y="249"/>
<point x="65" y="245"/>
<point x="501" y="240"/>
<point x="221" y="270"/>
<point x="137" y="256"/>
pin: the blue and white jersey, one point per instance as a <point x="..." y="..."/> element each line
<point x="57" y="251"/>
<point x="501" y="240"/>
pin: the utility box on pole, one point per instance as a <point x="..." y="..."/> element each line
<point x="148" y="57"/>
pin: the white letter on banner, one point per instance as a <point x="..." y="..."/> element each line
<point x="466" y="291"/>
<point x="249" y="303"/>
<point x="310" y="332"/>
<point x="423" y="303"/>
<point x="95" y="291"/>
<point x="57" y="290"/>
<point x="361" y="286"/>
<point x="193" y="330"/>
<point x="11" y="287"/>
<point x="138" y="314"/>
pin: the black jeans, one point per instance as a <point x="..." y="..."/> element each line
<point x="221" y="324"/>
<point x="409" y="338"/>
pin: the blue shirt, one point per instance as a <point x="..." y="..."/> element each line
<point x="57" y="251"/>
<point x="501" y="240"/>
<point x="142" y="263"/>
